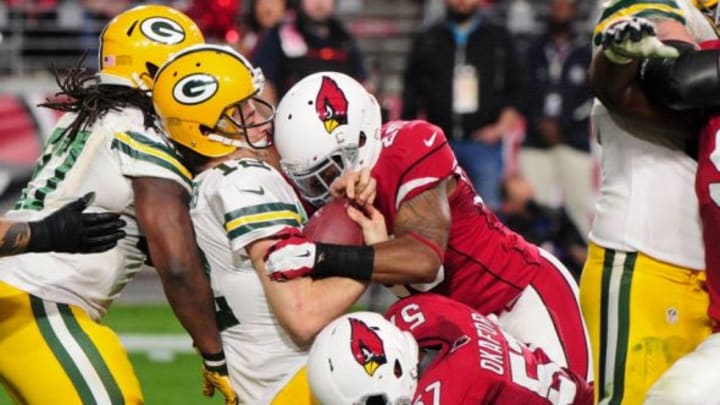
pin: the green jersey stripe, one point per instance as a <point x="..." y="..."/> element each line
<point x="136" y="154"/>
<point x="259" y="209"/>
<point x="623" y="329"/>
<point x="242" y="230"/>
<point x="35" y="199"/>
<point x="87" y="346"/>
<point x="61" y="354"/>
<point x="138" y="137"/>
<point x="604" y="298"/>
<point x="623" y="4"/>
<point x="645" y="14"/>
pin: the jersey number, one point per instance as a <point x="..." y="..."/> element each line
<point x="547" y="380"/>
<point x="435" y="389"/>
<point x="411" y="315"/>
<point x="61" y="152"/>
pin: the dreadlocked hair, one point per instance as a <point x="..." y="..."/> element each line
<point x="82" y="94"/>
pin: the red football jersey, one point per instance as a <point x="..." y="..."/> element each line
<point x="475" y="362"/>
<point x="707" y="187"/>
<point x="486" y="265"/>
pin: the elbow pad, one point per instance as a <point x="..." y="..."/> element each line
<point x="688" y="82"/>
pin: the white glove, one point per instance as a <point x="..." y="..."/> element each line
<point x="693" y="380"/>
<point x="629" y="38"/>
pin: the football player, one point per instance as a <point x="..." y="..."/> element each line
<point x="464" y="358"/>
<point x="109" y="142"/>
<point x="446" y="240"/>
<point x="207" y="99"/>
<point x="66" y="230"/>
<point x="643" y="288"/>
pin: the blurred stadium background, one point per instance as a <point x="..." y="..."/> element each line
<point x="37" y="34"/>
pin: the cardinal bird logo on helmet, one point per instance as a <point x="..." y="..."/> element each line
<point x="366" y="346"/>
<point x="331" y="105"/>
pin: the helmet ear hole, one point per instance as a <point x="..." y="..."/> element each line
<point x="362" y="139"/>
<point x="204" y="129"/>
<point x="398" y="371"/>
<point x="376" y="400"/>
<point x="151" y="68"/>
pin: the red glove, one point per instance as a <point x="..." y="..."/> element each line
<point x="292" y="256"/>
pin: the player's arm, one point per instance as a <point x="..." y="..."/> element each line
<point x="614" y="77"/>
<point x="66" y="230"/>
<point x="422" y="225"/>
<point x="163" y="215"/>
<point x="304" y="305"/>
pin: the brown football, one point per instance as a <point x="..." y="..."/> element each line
<point x="331" y="224"/>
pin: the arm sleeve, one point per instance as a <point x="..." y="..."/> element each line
<point x="256" y="204"/>
<point x="420" y="159"/>
<point x="148" y="155"/>
<point x="431" y="318"/>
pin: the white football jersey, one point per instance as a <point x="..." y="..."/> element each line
<point x="234" y="204"/>
<point x="647" y="197"/>
<point x="103" y="159"/>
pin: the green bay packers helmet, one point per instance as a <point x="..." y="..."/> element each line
<point x="710" y="9"/>
<point x="135" y="43"/>
<point x="206" y="97"/>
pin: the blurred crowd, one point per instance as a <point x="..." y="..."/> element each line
<point x="505" y="80"/>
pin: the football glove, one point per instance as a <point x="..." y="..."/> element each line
<point x="630" y="38"/>
<point x="292" y="256"/>
<point x="215" y="377"/>
<point x="69" y="230"/>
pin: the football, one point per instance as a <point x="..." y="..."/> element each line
<point x="331" y="224"/>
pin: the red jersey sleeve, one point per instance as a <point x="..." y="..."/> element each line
<point x="431" y="318"/>
<point x="415" y="157"/>
<point x="707" y="187"/>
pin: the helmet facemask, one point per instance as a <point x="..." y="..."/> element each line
<point x="314" y="183"/>
<point x="238" y="119"/>
<point x="710" y="10"/>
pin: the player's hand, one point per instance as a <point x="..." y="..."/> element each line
<point x="69" y="230"/>
<point x="215" y="377"/>
<point x="292" y="256"/>
<point x="631" y="38"/>
<point x="358" y="186"/>
<point x="372" y="223"/>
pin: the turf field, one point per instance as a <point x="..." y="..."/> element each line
<point x="167" y="376"/>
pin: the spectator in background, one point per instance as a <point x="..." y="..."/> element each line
<point x="556" y="157"/>
<point x="262" y="15"/>
<point x="311" y="42"/>
<point x="217" y="19"/>
<point x="550" y="228"/>
<point x="463" y="74"/>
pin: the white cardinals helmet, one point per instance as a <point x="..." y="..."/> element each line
<point x="326" y="123"/>
<point x="363" y="359"/>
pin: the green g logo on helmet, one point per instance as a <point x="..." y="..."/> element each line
<point x="163" y="30"/>
<point x="195" y="88"/>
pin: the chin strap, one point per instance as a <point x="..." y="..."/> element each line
<point x="235" y="142"/>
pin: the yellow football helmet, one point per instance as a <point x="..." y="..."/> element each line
<point x="710" y="9"/>
<point x="206" y="97"/>
<point x="135" y="43"/>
